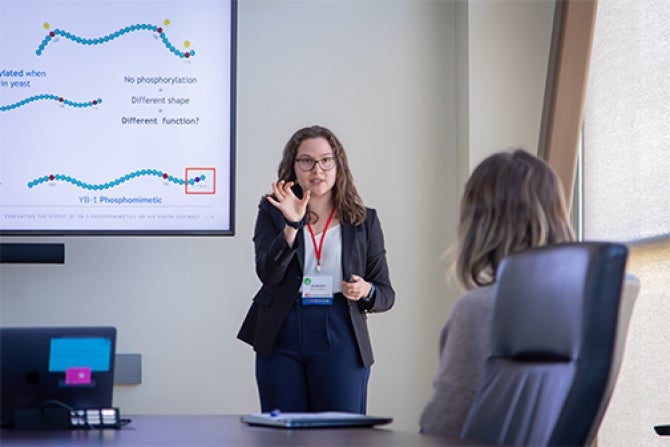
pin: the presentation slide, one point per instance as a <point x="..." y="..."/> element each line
<point x="117" y="116"/>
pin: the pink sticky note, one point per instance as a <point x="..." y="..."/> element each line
<point x="79" y="375"/>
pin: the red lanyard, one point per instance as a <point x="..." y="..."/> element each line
<point x="318" y="251"/>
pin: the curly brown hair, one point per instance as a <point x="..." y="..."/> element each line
<point x="512" y="201"/>
<point x="347" y="202"/>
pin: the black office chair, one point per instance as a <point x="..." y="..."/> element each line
<point x="552" y="347"/>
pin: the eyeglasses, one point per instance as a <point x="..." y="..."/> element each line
<point x="307" y="164"/>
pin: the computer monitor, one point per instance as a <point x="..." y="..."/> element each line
<point x="70" y="367"/>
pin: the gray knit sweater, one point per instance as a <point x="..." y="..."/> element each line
<point x="464" y="344"/>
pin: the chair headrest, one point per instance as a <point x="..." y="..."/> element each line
<point x="545" y="295"/>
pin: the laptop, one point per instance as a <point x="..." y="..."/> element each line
<point x="327" y="419"/>
<point x="42" y="368"/>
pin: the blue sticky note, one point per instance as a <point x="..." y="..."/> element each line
<point x="77" y="352"/>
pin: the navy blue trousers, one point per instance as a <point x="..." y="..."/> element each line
<point x="315" y="364"/>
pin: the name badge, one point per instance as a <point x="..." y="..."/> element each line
<point x="317" y="290"/>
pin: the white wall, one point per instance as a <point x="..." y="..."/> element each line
<point x="389" y="78"/>
<point x="509" y="44"/>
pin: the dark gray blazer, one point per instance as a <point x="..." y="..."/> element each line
<point x="280" y="269"/>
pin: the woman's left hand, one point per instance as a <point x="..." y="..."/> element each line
<point x="356" y="289"/>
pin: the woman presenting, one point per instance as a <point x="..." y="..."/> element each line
<point x="321" y="259"/>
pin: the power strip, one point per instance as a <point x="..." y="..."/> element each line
<point x="95" y="418"/>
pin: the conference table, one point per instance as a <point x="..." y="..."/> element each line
<point x="218" y="430"/>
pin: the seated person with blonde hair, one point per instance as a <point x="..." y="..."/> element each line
<point x="512" y="201"/>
